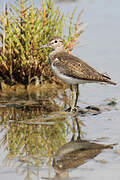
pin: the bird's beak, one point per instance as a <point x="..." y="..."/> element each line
<point x="44" y="46"/>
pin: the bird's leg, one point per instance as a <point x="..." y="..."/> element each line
<point x="77" y="94"/>
<point x="74" y="98"/>
<point x="71" y="88"/>
<point x="74" y="102"/>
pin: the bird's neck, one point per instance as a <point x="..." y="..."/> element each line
<point x="58" y="49"/>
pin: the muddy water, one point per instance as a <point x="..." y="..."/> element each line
<point x="33" y="130"/>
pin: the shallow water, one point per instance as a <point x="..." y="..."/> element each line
<point x="29" y="141"/>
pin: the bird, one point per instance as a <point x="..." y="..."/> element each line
<point x="71" y="69"/>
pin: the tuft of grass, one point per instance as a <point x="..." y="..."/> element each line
<point x="23" y="29"/>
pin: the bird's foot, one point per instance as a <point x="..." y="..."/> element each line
<point x="72" y="109"/>
<point x="75" y="109"/>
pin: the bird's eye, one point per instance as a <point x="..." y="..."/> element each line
<point x="55" y="41"/>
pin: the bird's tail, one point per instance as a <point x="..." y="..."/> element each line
<point x="107" y="79"/>
<point x="111" y="82"/>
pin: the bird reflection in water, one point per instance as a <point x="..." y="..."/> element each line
<point x="75" y="153"/>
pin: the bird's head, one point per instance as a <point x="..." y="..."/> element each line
<point x="56" y="43"/>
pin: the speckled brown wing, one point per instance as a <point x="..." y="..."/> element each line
<point x="74" y="67"/>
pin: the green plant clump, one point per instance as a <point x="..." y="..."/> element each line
<point x="23" y="29"/>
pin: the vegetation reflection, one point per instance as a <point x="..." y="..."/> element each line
<point x="29" y="141"/>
